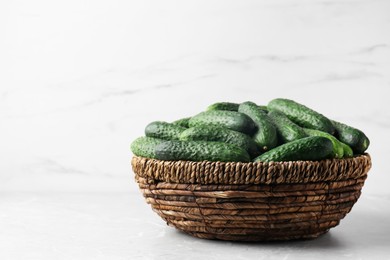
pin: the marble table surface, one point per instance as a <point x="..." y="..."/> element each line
<point x="98" y="225"/>
<point x="79" y="80"/>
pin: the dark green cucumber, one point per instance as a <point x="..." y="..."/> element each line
<point x="287" y="130"/>
<point x="351" y="136"/>
<point x="348" y="152"/>
<point x="221" y="134"/>
<point x="163" y="130"/>
<point x="338" y="148"/>
<point x="312" y="148"/>
<point x="265" y="135"/>
<point x="230" y="119"/>
<point x="145" y="146"/>
<point x="183" y="122"/>
<point x="200" y="151"/>
<point x="224" y="106"/>
<point x="301" y="115"/>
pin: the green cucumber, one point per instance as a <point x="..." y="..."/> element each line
<point x="265" y="135"/>
<point x="163" y="130"/>
<point x="230" y="119"/>
<point x="221" y="134"/>
<point x="183" y="122"/>
<point x="351" y="136"/>
<point x="145" y="146"/>
<point x="287" y="130"/>
<point x="312" y="148"/>
<point x="224" y="106"/>
<point x="348" y="152"/>
<point x="301" y="115"/>
<point x="338" y="149"/>
<point x="200" y="151"/>
<point x="264" y="108"/>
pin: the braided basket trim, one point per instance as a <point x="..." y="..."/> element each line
<point x="237" y="173"/>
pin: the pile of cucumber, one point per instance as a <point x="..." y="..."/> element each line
<point x="284" y="130"/>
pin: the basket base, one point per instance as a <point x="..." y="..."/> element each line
<point x="255" y="238"/>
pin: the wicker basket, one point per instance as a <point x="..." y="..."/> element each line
<point x="252" y="201"/>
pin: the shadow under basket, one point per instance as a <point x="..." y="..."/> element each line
<point x="252" y="201"/>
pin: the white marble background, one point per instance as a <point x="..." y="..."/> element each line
<point x="79" y="80"/>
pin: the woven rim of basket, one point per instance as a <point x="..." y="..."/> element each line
<point x="206" y="172"/>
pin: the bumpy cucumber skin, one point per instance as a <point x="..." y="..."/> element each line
<point x="163" y="130"/>
<point x="200" y="151"/>
<point x="348" y="152"/>
<point x="351" y="136"/>
<point x="265" y="135"/>
<point x="230" y="119"/>
<point x="183" y="122"/>
<point x="229" y="106"/>
<point x="220" y="134"/>
<point x="288" y="131"/>
<point x="338" y="148"/>
<point x="312" y="148"/>
<point x="301" y="115"/>
<point x="145" y="146"/>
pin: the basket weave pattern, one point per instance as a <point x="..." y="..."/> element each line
<point x="252" y="201"/>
